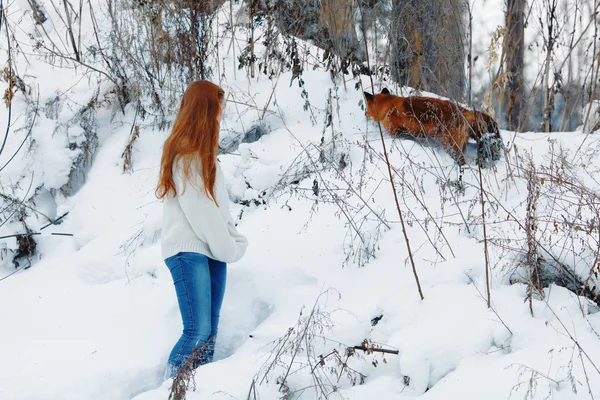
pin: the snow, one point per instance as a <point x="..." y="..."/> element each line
<point x="96" y="316"/>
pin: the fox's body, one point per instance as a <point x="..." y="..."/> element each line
<point x="424" y="117"/>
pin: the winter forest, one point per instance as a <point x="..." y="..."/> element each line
<point x="377" y="267"/>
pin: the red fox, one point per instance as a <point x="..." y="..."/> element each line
<point x="447" y="123"/>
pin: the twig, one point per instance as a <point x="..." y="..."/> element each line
<point x="287" y="372"/>
<point x="70" y="30"/>
<point x="252" y="391"/>
<point x="571" y="336"/>
<point x="34" y="234"/>
<point x="12" y="273"/>
<point x="67" y="57"/>
<point x="22" y="203"/>
<point x="491" y="308"/>
<point x="375" y="349"/>
<point x="485" y="243"/>
<point x="10" y="81"/>
<point x="28" y="132"/>
<point x="54" y="222"/>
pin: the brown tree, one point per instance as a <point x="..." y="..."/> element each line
<point x="427" y="39"/>
<point x="514" y="51"/>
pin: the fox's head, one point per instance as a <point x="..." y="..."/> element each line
<point x="380" y="100"/>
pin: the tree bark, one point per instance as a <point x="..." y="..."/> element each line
<point x="428" y="52"/>
<point x="515" y="52"/>
<point x="549" y="97"/>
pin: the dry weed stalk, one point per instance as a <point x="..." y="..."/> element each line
<point x="296" y="352"/>
<point x="184" y="378"/>
<point x="485" y="241"/>
<point x="410" y="254"/>
<point x="533" y="258"/>
<point x="133" y="136"/>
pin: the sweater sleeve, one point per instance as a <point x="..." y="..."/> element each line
<point x="224" y="241"/>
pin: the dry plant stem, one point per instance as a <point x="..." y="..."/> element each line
<point x="133" y="136"/>
<point x="348" y="217"/>
<point x="589" y="110"/>
<point x="95" y="26"/>
<point x="20" y="202"/>
<point x="485" y="244"/>
<point x="595" y="264"/>
<point x="571" y="337"/>
<point x="491" y="308"/>
<point x="59" y="14"/>
<point x="423" y="206"/>
<point x="35" y="234"/>
<point x="251" y="27"/>
<point x="10" y="80"/>
<point x="80" y="20"/>
<point x="281" y="348"/>
<point x="252" y="391"/>
<point x="185" y="375"/>
<point x="35" y="113"/>
<point x="531" y="228"/>
<point x="587" y="378"/>
<point x="344" y="364"/>
<point x="287" y="372"/>
<point x="596" y="10"/>
<point x="387" y="161"/>
<point x="66" y="57"/>
<point x="231" y="44"/>
<point x="262" y="117"/>
<point x="70" y="30"/>
<point x="8" y="219"/>
<point x="365" y="203"/>
<point x="522" y="226"/>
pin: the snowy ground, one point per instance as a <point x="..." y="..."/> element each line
<point x="96" y="316"/>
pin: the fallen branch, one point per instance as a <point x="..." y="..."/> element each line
<point x="371" y="349"/>
<point x="35" y="234"/>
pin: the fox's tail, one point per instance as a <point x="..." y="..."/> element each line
<point x="487" y="134"/>
<point x="492" y="126"/>
<point x="484" y="125"/>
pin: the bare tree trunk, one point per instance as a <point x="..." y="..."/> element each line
<point x="594" y="76"/>
<point x="515" y="52"/>
<point x="470" y="55"/>
<point x="427" y="45"/>
<point x="549" y="97"/>
<point x="336" y="28"/>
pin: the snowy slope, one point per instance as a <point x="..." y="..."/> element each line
<point x="96" y="316"/>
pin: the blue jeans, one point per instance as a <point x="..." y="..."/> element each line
<point x="200" y="286"/>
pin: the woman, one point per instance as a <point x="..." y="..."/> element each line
<point x="199" y="235"/>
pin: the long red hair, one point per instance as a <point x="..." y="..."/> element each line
<point x="194" y="136"/>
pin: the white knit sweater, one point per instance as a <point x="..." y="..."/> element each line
<point x="192" y="222"/>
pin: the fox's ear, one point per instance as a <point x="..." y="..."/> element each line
<point x="385" y="91"/>
<point x="368" y="95"/>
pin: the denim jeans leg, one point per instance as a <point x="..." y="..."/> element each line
<point x="218" y="278"/>
<point x="191" y="277"/>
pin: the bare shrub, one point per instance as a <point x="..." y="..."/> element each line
<point x="295" y="353"/>
<point x="184" y="378"/>
<point x="168" y="47"/>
